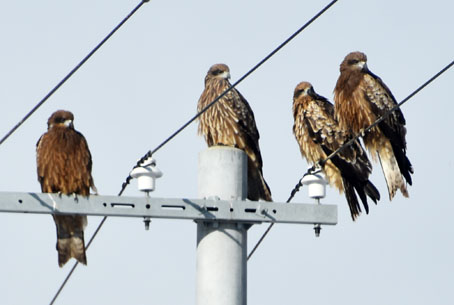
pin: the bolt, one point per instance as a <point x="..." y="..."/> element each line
<point x="147" y="222"/>
<point x="317" y="229"/>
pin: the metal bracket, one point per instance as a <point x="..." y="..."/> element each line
<point x="195" y="209"/>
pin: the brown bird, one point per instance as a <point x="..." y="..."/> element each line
<point x="230" y="122"/>
<point x="318" y="135"/>
<point x="361" y="98"/>
<point x="64" y="167"/>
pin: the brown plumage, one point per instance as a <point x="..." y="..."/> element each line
<point x="360" y="99"/>
<point x="64" y="167"/>
<point x="318" y="135"/>
<point x="231" y="122"/>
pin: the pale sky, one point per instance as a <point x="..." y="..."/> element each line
<point x="145" y="83"/>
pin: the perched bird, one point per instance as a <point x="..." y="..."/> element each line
<point x="360" y="99"/>
<point x="318" y="135"/>
<point x="64" y="167"/>
<point x="230" y="122"/>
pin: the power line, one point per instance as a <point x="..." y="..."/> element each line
<point x="334" y="153"/>
<point x="77" y="263"/>
<point x="151" y="152"/>
<point x="173" y="135"/>
<point x="44" y="100"/>
<point x="51" y="92"/>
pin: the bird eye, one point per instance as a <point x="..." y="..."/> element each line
<point x="217" y="72"/>
<point x="353" y="61"/>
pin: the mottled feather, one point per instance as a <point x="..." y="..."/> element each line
<point x="360" y="99"/>
<point x="231" y="122"/>
<point x="318" y="135"/>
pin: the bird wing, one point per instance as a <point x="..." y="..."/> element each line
<point x="382" y="100"/>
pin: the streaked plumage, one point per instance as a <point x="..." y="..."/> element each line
<point x="318" y="135"/>
<point x="360" y="99"/>
<point x="64" y="166"/>
<point x="231" y="122"/>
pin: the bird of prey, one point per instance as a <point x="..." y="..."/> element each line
<point x="318" y="135"/>
<point x="361" y="98"/>
<point x="64" y="167"/>
<point x="230" y="122"/>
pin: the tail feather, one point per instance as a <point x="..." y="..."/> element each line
<point x="403" y="162"/>
<point x="70" y="238"/>
<point x="355" y="178"/>
<point x="71" y="247"/>
<point x="257" y="186"/>
<point x="352" y="200"/>
<point x="396" y="137"/>
<point x="391" y="170"/>
<point x="372" y="191"/>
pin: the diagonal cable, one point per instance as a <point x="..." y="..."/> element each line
<point x="51" y="92"/>
<point x="334" y="153"/>
<point x="44" y="100"/>
<point x="173" y="135"/>
<point x="292" y="194"/>
<point x="76" y="263"/>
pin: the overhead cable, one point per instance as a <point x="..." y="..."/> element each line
<point x="51" y="92"/>
<point x="173" y="135"/>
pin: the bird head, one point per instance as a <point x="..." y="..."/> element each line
<point x="303" y="89"/>
<point x="61" y="118"/>
<point x="354" y="61"/>
<point x="218" y="71"/>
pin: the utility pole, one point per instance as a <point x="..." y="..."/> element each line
<point x="223" y="217"/>
<point x="222" y="245"/>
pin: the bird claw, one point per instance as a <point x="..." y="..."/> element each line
<point x="76" y="199"/>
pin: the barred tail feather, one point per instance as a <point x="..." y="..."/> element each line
<point x="71" y="247"/>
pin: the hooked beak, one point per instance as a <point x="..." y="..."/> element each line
<point x="68" y="123"/>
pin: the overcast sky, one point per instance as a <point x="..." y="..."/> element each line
<point x="145" y="83"/>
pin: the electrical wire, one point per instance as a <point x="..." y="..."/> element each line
<point x="173" y="135"/>
<point x="76" y="263"/>
<point x="151" y="152"/>
<point x="68" y="276"/>
<point x="292" y="194"/>
<point x="334" y="153"/>
<point x="51" y="92"/>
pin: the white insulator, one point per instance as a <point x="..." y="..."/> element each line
<point x="146" y="175"/>
<point x="316" y="185"/>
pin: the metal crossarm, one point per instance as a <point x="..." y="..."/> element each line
<point x="173" y="208"/>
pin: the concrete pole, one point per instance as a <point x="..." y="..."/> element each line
<point x="222" y="246"/>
